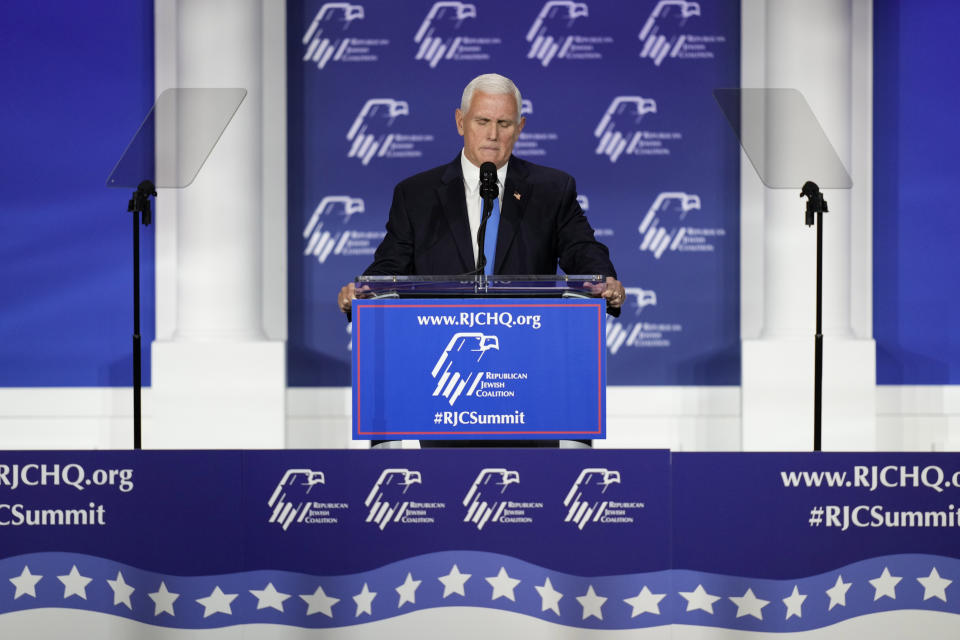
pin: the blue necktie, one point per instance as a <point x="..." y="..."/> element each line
<point x="490" y="238"/>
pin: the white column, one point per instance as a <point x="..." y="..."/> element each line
<point x="814" y="57"/>
<point x="807" y="45"/>
<point x="217" y="381"/>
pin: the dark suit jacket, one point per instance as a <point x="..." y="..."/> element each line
<point x="541" y="226"/>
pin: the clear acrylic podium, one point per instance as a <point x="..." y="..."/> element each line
<point x="521" y="286"/>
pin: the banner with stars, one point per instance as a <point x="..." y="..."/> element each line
<point x="473" y="543"/>
<point x="838" y="545"/>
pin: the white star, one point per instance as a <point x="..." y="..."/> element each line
<point x="408" y="591"/>
<point x="25" y="583"/>
<point x="364" y="601"/>
<point x="549" y="597"/>
<point x="503" y="585"/>
<point x="217" y="602"/>
<point x="885" y="585"/>
<point x="454" y="582"/>
<point x="645" y="602"/>
<point x="269" y="597"/>
<point x="749" y="605"/>
<point x="121" y="591"/>
<point x="838" y="593"/>
<point x="794" y="603"/>
<point x="163" y="600"/>
<point x="699" y="599"/>
<point x="74" y="584"/>
<point x="591" y="603"/>
<point x="320" y="602"/>
<point x="934" y="586"/>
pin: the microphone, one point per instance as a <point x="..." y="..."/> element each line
<point x="489" y="192"/>
<point x="488" y="181"/>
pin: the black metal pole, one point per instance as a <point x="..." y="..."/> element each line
<point x="816" y="207"/>
<point x="136" y="330"/>
<point x="139" y="206"/>
<point x="818" y="340"/>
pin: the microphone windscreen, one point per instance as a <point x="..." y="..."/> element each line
<point x="488" y="172"/>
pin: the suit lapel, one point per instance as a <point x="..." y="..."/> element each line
<point x="513" y="203"/>
<point x="454" y="203"/>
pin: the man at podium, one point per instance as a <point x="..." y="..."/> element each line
<point x="535" y="223"/>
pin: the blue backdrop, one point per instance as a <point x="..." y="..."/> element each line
<point x="618" y="94"/>
<point x="916" y="227"/>
<point x="77" y="80"/>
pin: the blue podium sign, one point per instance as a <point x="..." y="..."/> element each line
<point x="479" y="368"/>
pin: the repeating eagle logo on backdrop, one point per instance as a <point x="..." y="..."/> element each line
<point x="662" y="227"/>
<point x="371" y="132"/>
<point x="586" y="497"/>
<point x="386" y="498"/>
<point x="324" y="37"/>
<point x="533" y="141"/>
<point x="437" y="33"/>
<point x="621" y="332"/>
<point x="323" y="235"/>
<point x="290" y="501"/>
<point x="661" y="35"/>
<point x="483" y="500"/>
<point x="458" y="365"/>
<point x="545" y="35"/>
<point x="619" y="128"/>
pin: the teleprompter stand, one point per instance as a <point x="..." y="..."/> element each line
<point x="139" y="206"/>
<point x="168" y="150"/>
<point x="788" y="149"/>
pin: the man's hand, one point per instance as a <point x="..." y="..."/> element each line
<point x="346" y="296"/>
<point x="614" y="293"/>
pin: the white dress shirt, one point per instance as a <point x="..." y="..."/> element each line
<point x="471" y="187"/>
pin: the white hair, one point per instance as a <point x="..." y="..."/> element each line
<point x="492" y="83"/>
